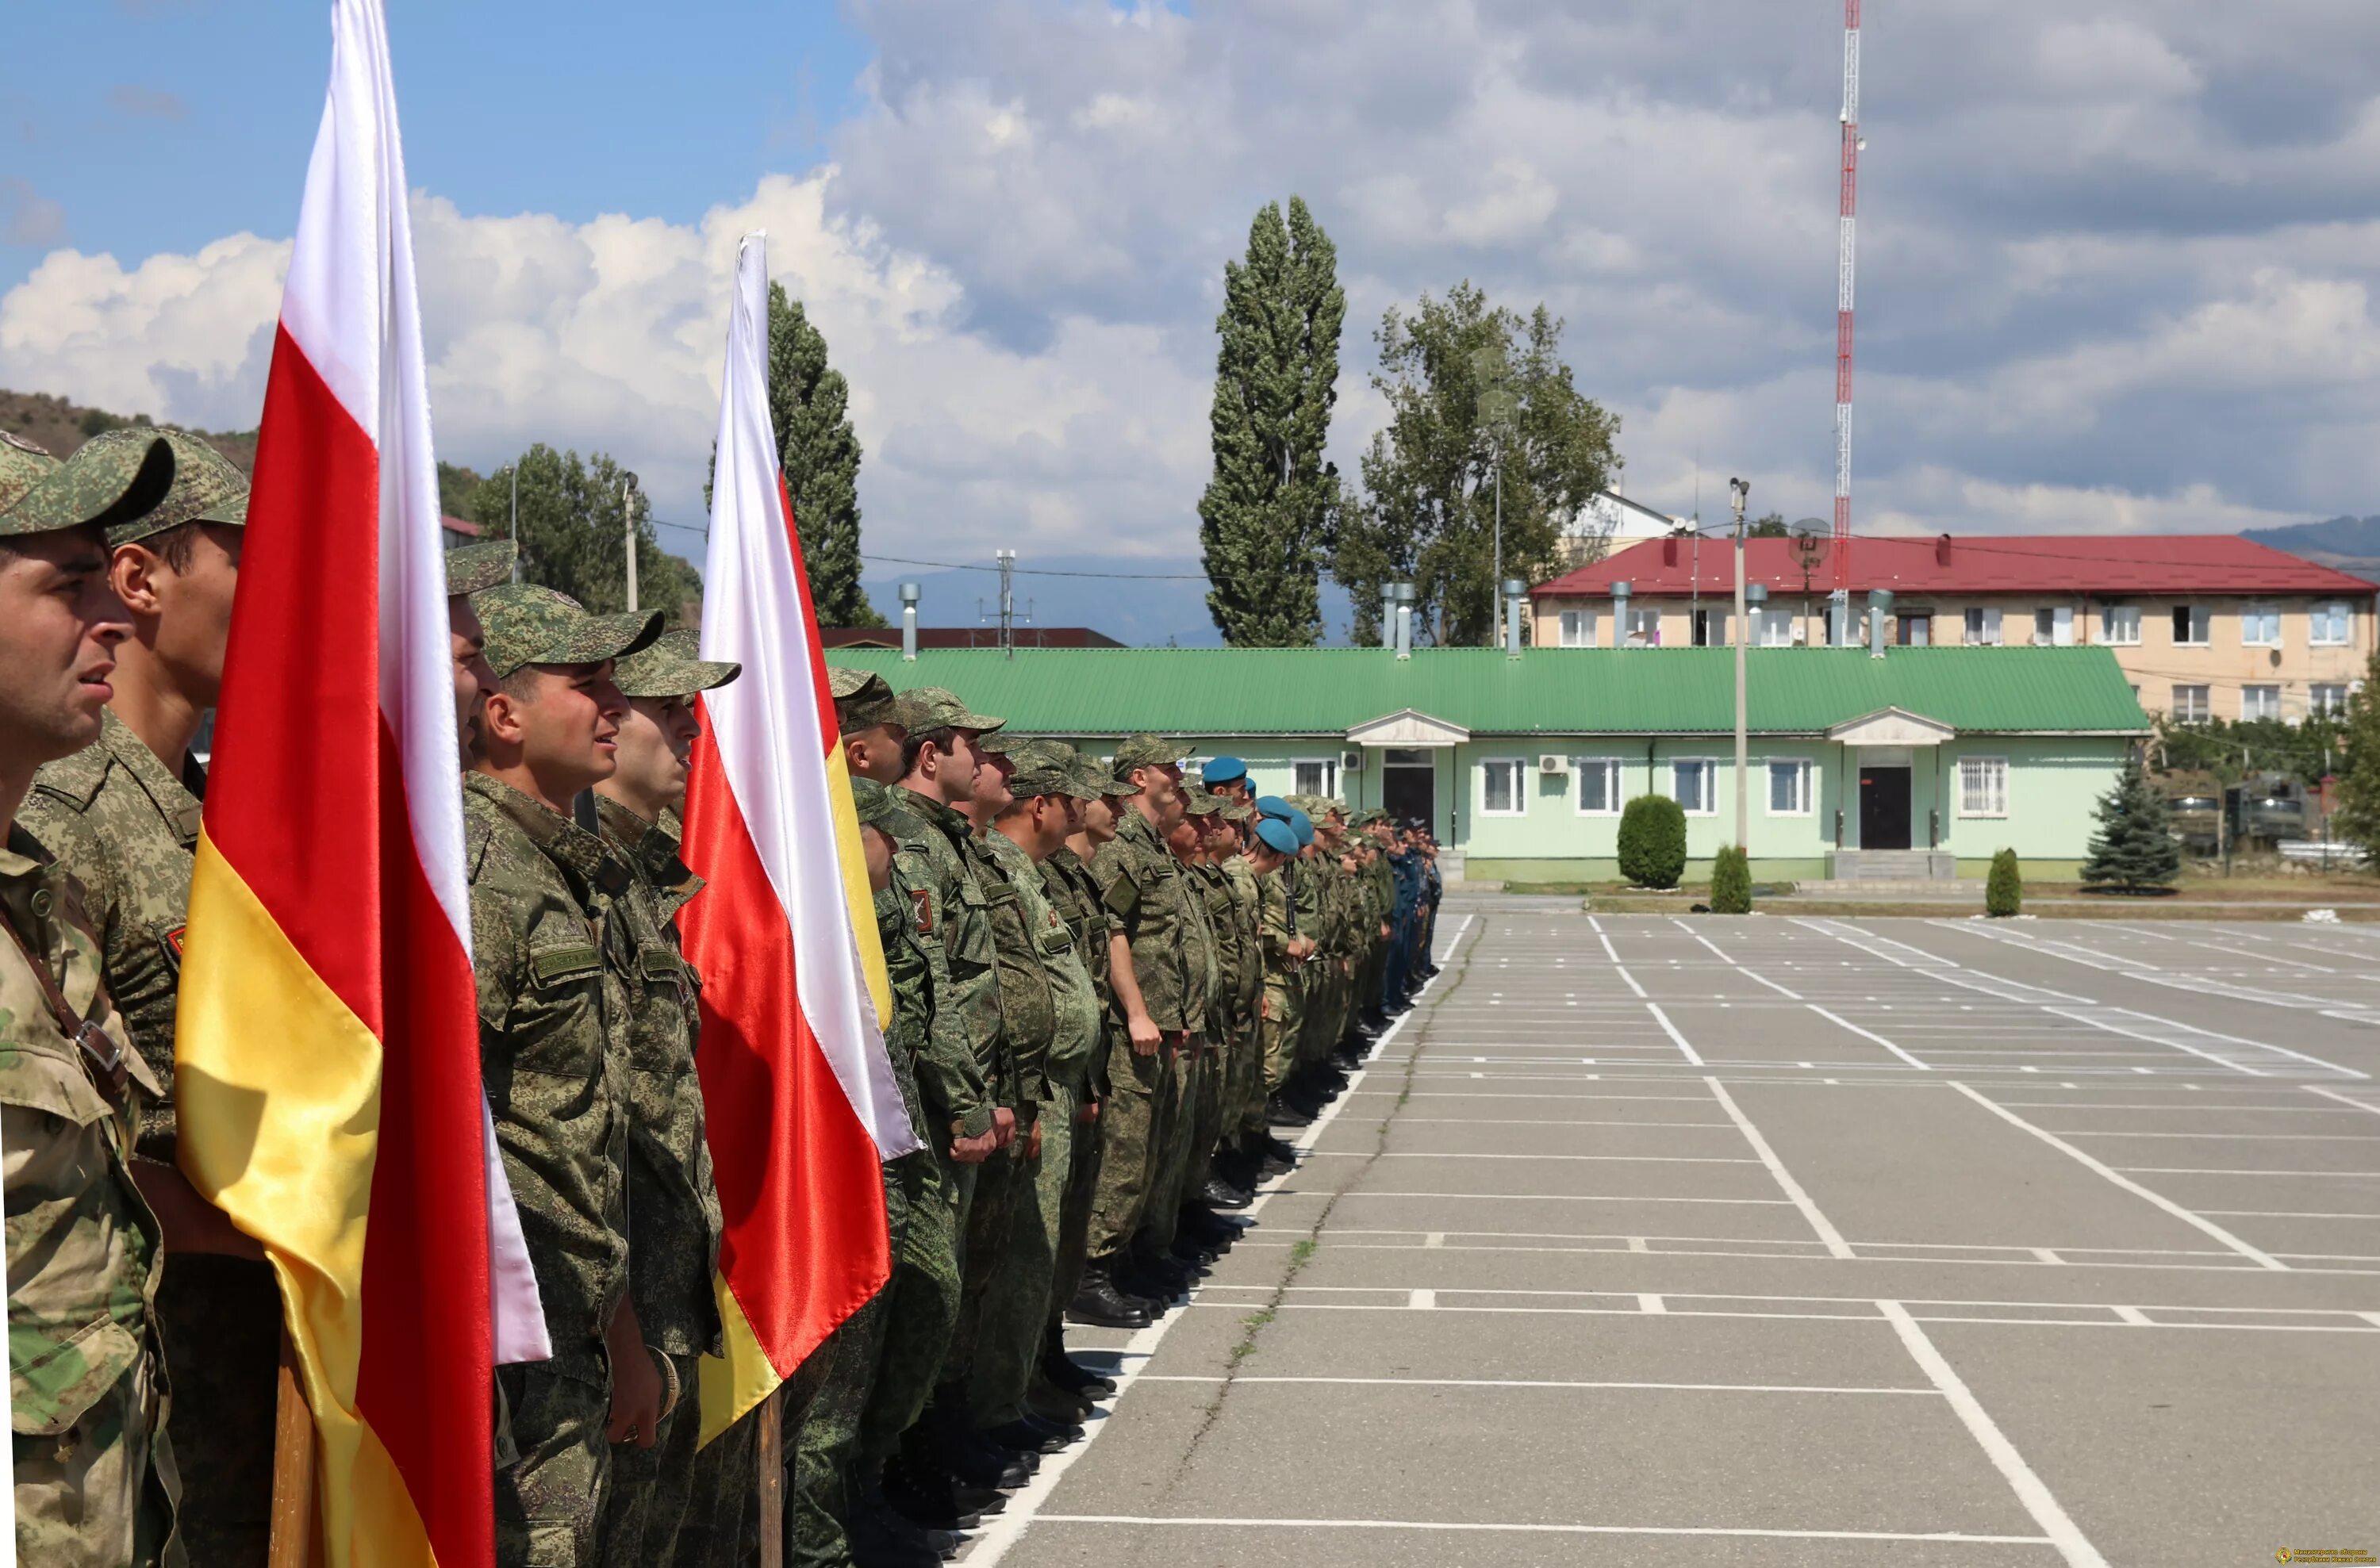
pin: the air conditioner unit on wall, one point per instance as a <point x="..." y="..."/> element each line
<point x="1351" y="762"/>
<point x="1550" y="763"/>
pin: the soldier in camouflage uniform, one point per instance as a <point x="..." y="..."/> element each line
<point x="1216" y="840"/>
<point x="1193" y="1065"/>
<point x="555" y="954"/>
<point x="1243" y="1123"/>
<point x="122" y="817"/>
<point x="1045" y="795"/>
<point x="93" y="1479"/>
<point x="673" y="1219"/>
<point x="470" y="570"/>
<point x="1141" y="887"/>
<point x="866" y="724"/>
<point x="1286" y="949"/>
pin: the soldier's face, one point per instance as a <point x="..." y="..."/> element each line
<point x="1182" y="839"/>
<point x="655" y="738"/>
<point x="60" y="623"/>
<point x="567" y="729"/>
<point x="473" y="679"/>
<point x="1100" y="818"/>
<point x="875" y="752"/>
<point x="991" y="774"/>
<point x="193" y="609"/>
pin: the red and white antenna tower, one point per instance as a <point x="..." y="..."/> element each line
<point x="1846" y="262"/>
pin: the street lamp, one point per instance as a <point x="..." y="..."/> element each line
<point x="628" y="529"/>
<point x="1738" y="489"/>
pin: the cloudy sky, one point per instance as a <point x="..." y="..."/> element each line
<point x="2117" y="265"/>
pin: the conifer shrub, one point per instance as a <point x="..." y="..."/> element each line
<point x="1653" y="841"/>
<point x="1731" y="882"/>
<point x="2004" y="892"/>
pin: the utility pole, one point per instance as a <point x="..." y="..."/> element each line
<point x="1007" y="558"/>
<point x="1498" y="403"/>
<point x="515" y="527"/>
<point x="628" y="531"/>
<point x="1846" y="259"/>
<point x="1740" y="489"/>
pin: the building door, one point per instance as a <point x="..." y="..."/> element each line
<point x="1884" y="808"/>
<point x="1409" y="784"/>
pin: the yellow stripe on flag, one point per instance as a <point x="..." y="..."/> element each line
<point x="856" y="891"/>
<point x="257" y="1020"/>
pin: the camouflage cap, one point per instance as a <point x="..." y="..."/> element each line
<point x="863" y="699"/>
<point x="1025" y="752"/>
<point x="672" y="666"/>
<point x="1234" y="811"/>
<point x="22" y="466"/>
<point x="842" y="681"/>
<point x="1146" y="751"/>
<point x="873" y="801"/>
<point x="477" y="568"/>
<point x="1049" y="778"/>
<point x="527" y="624"/>
<point x="1198" y="802"/>
<point x="1096" y="776"/>
<point x="105" y="482"/>
<point x="933" y="708"/>
<point x="207" y="488"/>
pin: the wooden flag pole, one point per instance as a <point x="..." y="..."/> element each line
<point x="770" y="1479"/>
<point x="296" y="1520"/>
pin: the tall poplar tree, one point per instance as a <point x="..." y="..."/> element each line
<point x="810" y="405"/>
<point x="1264" y="516"/>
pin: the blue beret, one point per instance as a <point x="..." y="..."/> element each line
<point x="1276" y="835"/>
<point x="1300" y="824"/>
<point x="1223" y="771"/>
<point x="1273" y="805"/>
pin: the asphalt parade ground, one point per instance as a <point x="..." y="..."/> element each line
<point x="1769" y="1241"/>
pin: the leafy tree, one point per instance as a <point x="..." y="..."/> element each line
<point x="1262" y="518"/>
<point x="2233" y="749"/>
<point x="1769" y="527"/>
<point x="572" y="533"/>
<point x="1730" y="891"/>
<point x="456" y="487"/>
<point x="1429" y="508"/>
<point x="2004" y="889"/>
<point x="1653" y="841"/>
<point x="2358" y="819"/>
<point x="2134" y="850"/>
<point x="810" y="405"/>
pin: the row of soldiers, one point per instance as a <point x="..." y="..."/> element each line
<point x="1112" y="985"/>
<point x="1109" y="987"/>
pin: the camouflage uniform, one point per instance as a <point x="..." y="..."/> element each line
<point x="1192" y="1068"/>
<point x="122" y="823"/>
<point x="1244" y="1082"/>
<point x="1016" y="1310"/>
<point x="94" y="1474"/>
<point x="1076" y="899"/>
<point x="1141" y="887"/>
<point x="1283" y="1005"/>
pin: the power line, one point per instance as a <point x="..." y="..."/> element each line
<point x="1041" y="572"/>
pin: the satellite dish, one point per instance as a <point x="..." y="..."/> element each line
<point x="1810" y="538"/>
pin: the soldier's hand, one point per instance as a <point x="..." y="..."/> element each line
<point x="1146" y="1035"/>
<point x="974" y="1151"/>
<point x="1089" y="1113"/>
<point x="635" y="1383"/>
<point x="1033" y="1142"/>
<point x="1384" y="931"/>
<point x="190" y="1222"/>
<point x="1003" y="1127"/>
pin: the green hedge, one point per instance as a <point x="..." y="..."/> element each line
<point x="1653" y="841"/>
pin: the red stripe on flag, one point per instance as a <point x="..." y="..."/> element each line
<point x="306" y="803"/>
<point x="800" y="1182"/>
<point x="822" y="695"/>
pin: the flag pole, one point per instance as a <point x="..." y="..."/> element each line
<point x="770" y="1479"/>
<point x="296" y="1516"/>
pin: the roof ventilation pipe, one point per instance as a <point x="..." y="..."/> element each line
<point x="1515" y="596"/>
<point x="1404" y="599"/>
<point x="909" y="621"/>
<point x="1620" y="591"/>
<point x="1755" y="603"/>
<point x="1942" y="550"/>
<point x="1387" y="615"/>
<point x="1879" y="605"/>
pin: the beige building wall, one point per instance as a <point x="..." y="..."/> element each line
<point x="2234" y="673"/>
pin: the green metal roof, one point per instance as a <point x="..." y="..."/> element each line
<point x="1092" y="692"/>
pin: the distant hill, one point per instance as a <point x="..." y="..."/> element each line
<point x="2350" y="544"/>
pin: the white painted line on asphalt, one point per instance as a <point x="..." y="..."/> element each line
<point x="2194" y="1170"/>
<point x="1572" y="1198"/>
<point x="1001" y="1533"/>
<point x="1540" y="1383"/>
<point x="1869" y="1034"/>
<point x="2199" y="1222"/>
<point x="1422" y="1301"/>
<point x="1433" y="1239"/>
<point x="1663" y="1020"/>
<point x="2046" y="1256"/>
<point x="2133" y="1316"/>
<point x="1627" y="977"/>
<point x="2061" y="1530"/>
<point x="2342" y="1099"/>
<point x="2275" y="1136"/>
<point x="2283" y="1214"/>
<point x="1637" y="1159"/>
<point x="2096" y="1021"/>
<point x="1651" y="1305"/>
<point x="1836" y="1246"/>
<point x="1468" y="1527"/>
<point x="1996" y="1321"/>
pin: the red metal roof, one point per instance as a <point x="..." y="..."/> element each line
<point x="2096" y="565"/>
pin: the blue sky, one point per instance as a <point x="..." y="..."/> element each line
<point x="2118" y="256"/>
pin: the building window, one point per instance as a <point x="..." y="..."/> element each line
<point x="1317" y="778"/>
<point x="1788" y="788"/>
<point x="2325" y="701"/>
<point x="1982" y="786"/>
<point x="2053" y="627"/>
<point x="1643" y="628"/>
<point x="2121" y="624"/>
<point x="1773" y="628"/>
<point x="1984" y="627"/>
<point x="1916" y="631"/>
<point x="2193" y="625"/>
<point x="2260" y="627"/>
<point x="1598" y="786"/>
<point x="2334" y="625"/>
<point x="1692" y="786"/>
<point x="2190" y="705"/>
<point x="1502" y="792"/>
<point x="1578" y="628"/>
<point x="1710" y="628"/>
<point x="2260" y="702"/>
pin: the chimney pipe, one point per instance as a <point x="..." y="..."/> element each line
<point x="1620" y="591"/>
<point x="1755" y="600"/>
<point x="1387" y="615"/>
<point x="1879" y="605"/>
<point x="1405" y="601"/>
<point x="1515" y="592"/>
<point x="909" y="621"/>
<point x="1942" y="550"/>
<point x="1669" y="549"/>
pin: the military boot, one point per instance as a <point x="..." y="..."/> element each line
<point x="1100" y="1304"/>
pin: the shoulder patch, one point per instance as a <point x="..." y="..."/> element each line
<point x="1123" y="896"/>
<point x="922" y="902"/>
<point x="552" y="965"/>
